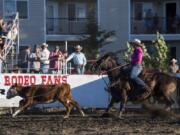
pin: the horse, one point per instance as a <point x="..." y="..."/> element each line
<point x="162" y="84"/>
<point x="36" y="94"/>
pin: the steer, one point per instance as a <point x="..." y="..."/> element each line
<point x="36" y="94"/>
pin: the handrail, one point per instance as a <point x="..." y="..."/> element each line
<point x="11" y="37"/>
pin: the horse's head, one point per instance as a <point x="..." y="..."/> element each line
<point x="13" y="91"/>
<point x="105" y="63"/>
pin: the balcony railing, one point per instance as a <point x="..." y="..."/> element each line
<point x="66" y="26"/>
<point x="152" y="25"/>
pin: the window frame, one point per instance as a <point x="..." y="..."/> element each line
<point x="26" y="18"/>
<point x="4" y="16"/>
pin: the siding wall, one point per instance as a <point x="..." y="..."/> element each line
<point x="1" y="8"/>
<point x="32" y="30"/>
<point x="114" y="15"/>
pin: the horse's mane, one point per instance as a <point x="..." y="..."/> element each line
<point x="112" y="55"/>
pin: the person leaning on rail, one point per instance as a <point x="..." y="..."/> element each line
<point x="79" y="60"/>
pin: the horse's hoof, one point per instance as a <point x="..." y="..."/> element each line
<point x="105" y="115"/>
<point x="121" y="118"/>
<point x="168" y="109"/>
<point x="14" y="116"/>
<point x="65" y="117"/>
<point x="83" y="114"/>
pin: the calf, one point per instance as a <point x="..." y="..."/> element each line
<point x="44" y="94"/>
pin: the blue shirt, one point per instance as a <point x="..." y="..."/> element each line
<point x="78" y="58"/>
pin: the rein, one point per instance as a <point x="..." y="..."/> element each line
<point x="118" y="67"/>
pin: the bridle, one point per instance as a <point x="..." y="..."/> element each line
<point x="105" y="72"/>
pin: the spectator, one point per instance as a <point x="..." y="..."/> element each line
<point x="45" y="58"/>
<point x="173" y="68"/>
<point x="55" y="57"/>
<point x="35" y="59"/>
<point x="25" y="62"/>
<point x="79" y="60"/>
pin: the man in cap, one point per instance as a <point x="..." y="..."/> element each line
<point x="45" y="58"/>
<point x="136" y="68"/>
<point x="79" y="60"/>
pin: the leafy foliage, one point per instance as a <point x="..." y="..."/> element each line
<point x="158" y="58"/>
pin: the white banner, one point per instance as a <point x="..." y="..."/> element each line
<point x="88" y="90"/>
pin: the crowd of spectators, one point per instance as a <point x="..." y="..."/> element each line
<point x="41" y="60"/>
<point x="5" y="27"/>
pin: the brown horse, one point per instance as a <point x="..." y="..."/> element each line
<point x="162" y="85"/>
<point x="44" y="94"/>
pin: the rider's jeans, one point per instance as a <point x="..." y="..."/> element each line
<point x="134" y="72"/>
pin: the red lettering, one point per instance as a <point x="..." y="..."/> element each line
<point x="43" y="79"/>
<point x="64" y="79"/>
<point x="57" y="80"/>
<point x="49" y="81"/>
<point x="13" y="80"/>
<point x="32" y="80"/>
<point x="19" y="80"/>
<point x="7" y="80"/>
<point x="26" y="80"/>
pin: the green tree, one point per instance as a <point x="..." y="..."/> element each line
<point x="96" y="37"/>
<point x="158" y="58"/>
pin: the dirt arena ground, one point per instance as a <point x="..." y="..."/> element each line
<point x="52" y="123"/>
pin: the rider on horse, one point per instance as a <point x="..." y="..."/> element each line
<point x="136" y="68"/>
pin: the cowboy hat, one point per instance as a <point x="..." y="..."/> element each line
<point x="174" y="60"/>
<point x="137" y="42"/>
<point x="57" y="47"/>
<point x="45" y="45"/>
<point x="78" y="47"/>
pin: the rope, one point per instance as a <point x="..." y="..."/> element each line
<point x="118" y="67"/>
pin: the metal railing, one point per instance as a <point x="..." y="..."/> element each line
<point x="152" y="25"/>
<point x="63" y="68"/>
<point x="12" y="41"/>
<point x="73" y="26"/>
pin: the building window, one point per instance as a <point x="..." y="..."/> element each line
<point x="141" y="9"/>
<point x="173" y="52"/>
<point x="9" y="8"/>
<point x="22" y="8"/>
<point x="71" y="12"/>
<point x="13" y="6"/>
<point x="77" y="11"/>
<point x="138" y="14"/>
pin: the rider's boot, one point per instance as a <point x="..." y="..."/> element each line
<point x="146" y="93"/>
